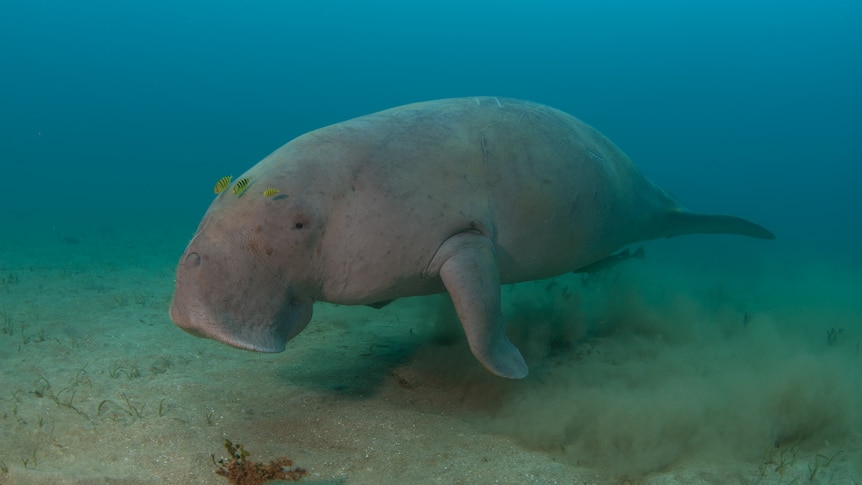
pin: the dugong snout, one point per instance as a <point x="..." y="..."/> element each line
<point x="252" y="311"/>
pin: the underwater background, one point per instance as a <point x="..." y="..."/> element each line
<point x="116" y="119"/>
<point x="124" y="112"/>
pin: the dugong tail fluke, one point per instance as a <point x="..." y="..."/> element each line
<point x="681" y="222"/>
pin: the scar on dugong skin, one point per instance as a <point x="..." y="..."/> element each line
<point x="454" y="195"/>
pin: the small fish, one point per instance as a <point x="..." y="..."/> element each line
<point x="270" y="192"/>
<point x="222" y="184"/>
<point x="612" y="260"/>
<point x="240" y="186"/>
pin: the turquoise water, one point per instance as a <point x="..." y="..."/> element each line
<point x="739" y="106"/>
<point x="708" y="359"/>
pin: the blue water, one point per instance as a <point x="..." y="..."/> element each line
<point x="127" y="112"/>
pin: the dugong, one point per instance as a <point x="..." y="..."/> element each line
<point x="456" y="195"/>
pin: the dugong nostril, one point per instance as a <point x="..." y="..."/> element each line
<point x="193" y="259"/>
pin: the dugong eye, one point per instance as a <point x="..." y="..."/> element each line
<point x="301" y="217"/>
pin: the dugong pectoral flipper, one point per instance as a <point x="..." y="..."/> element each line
<point x="467" y="265"/>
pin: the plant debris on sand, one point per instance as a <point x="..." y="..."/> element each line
<point x="239" y="470"/>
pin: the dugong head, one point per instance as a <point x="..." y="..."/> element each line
<point x="244" y="277"/>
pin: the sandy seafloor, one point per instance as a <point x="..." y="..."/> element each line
<point x="710" y="361"/>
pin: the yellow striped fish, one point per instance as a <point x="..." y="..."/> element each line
<point x="270" y="192"/>
<point x="222" y="184"/>
<point x="240" y="186"/>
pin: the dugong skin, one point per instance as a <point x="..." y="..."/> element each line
<point x="456" y="195"/>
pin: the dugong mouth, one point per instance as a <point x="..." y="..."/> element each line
<point x="257" y="332"/>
